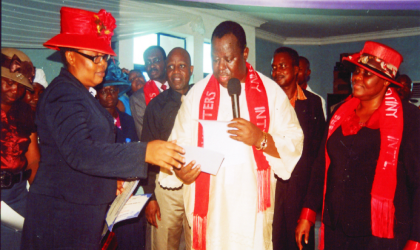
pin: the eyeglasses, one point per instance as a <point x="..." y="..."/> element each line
<point x="154" y="61"/>
<point x="95" y="59"/>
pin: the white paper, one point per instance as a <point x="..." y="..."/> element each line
<point x="118" y="203"/>
<point x="10" y="218"/>
<point x="209" y="160"/>
<point x="217" y="138"/>
<point x="133" y="207"/>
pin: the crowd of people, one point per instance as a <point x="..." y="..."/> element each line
<point x="77" y="139"/>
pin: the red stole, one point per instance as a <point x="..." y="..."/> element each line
<point x="389" y="119"/>
<point x="150" y="91"/>
<point x="258" y="109"/>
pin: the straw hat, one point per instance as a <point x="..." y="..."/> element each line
<point x="17" y="66"/>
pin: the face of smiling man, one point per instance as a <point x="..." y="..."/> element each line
<point x="179" y="70"/>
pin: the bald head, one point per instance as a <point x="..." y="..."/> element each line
<point x="179" y="69"/>
<point x="180" y="52"/>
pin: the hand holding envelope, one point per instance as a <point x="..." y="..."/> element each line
<point x="219" y="150"/>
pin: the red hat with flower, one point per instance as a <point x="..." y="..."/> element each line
<point x="379" y="59"/>
<point x="82" y="29"/>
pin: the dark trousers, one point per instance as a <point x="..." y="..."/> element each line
<point x="53" y="223"/>
<point x="131" y="234"/>
<point x="337" y="239"/>
<point x="16" y="198"/>
<point x="285" y="220"/>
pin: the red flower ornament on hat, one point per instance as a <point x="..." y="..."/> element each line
<point x="104" y="24"/>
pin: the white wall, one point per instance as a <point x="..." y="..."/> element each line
<point x="195" y="43"/>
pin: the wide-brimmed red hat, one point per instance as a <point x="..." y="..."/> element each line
<point x="82" y="29"/>
<point x="379" y="59"/>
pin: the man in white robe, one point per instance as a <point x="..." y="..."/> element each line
<point x="234" y="219"/>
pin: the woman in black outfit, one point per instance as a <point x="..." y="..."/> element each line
<point x="19" y="147"/>
<point x="367" y="175"/>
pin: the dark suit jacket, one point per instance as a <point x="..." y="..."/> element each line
<point x="290" y="194"/>
<point x="351" y="175"/>
<point x="79" y="157"/>
<point x="128" y="129"/>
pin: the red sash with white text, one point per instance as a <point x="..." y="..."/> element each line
<point x="389" y="119"/>
<point x="257" y="101"/>
<point x="150" y="91"/>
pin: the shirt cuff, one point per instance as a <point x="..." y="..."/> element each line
<point x="412" y="245"/>
<point x="308" y="214"/>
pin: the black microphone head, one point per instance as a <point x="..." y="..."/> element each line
<point x="234" y="87"/>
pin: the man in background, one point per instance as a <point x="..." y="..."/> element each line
<point x="154" y="59"/>
<point x="290" y="193"/>
<point x="405" y="91"/>
<point x="137" y="80"/>
<point x="303" y="78"/>
<point x="165" y="211"/>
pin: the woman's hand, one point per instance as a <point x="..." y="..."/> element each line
<point x="187" y="173"/>
<point x="164" y="154"/>
<point x="302" y="229"/>
<point x="120" y="188"/>
<point x="152" y="210"/>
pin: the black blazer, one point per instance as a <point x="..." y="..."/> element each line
<point x="79" y="157"/>
<point x="351" y="174"/>
<point x="290" y="194"/>
<point x="128" y="129"/>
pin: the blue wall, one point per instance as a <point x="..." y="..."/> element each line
<point x="324" y="57"/>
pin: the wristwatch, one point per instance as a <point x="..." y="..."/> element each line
<point x="263" y="144"/>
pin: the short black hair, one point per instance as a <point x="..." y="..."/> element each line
<point x="306" y="60"/>
<point x="230" y="27"/>
<point x="152" y="48"/>
<point x="291" y="52"/>
<point x="63" y="51"/>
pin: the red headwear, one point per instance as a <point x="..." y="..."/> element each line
<point x="81" y="29"/>
<point x="379" y="59"/>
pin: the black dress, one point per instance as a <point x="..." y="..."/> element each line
<point x="347" y="215"/>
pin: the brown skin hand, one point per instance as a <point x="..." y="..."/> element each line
<point x="165" y="154"/>
<point x="251" y="135"/>
<point x="152" y="211"/>
<point x="302" y="230"/>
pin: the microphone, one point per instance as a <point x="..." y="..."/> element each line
<point x="234" y="90"/>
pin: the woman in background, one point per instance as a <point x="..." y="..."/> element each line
<point x="39" y="85"/>
<point x="19" y="148"/>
